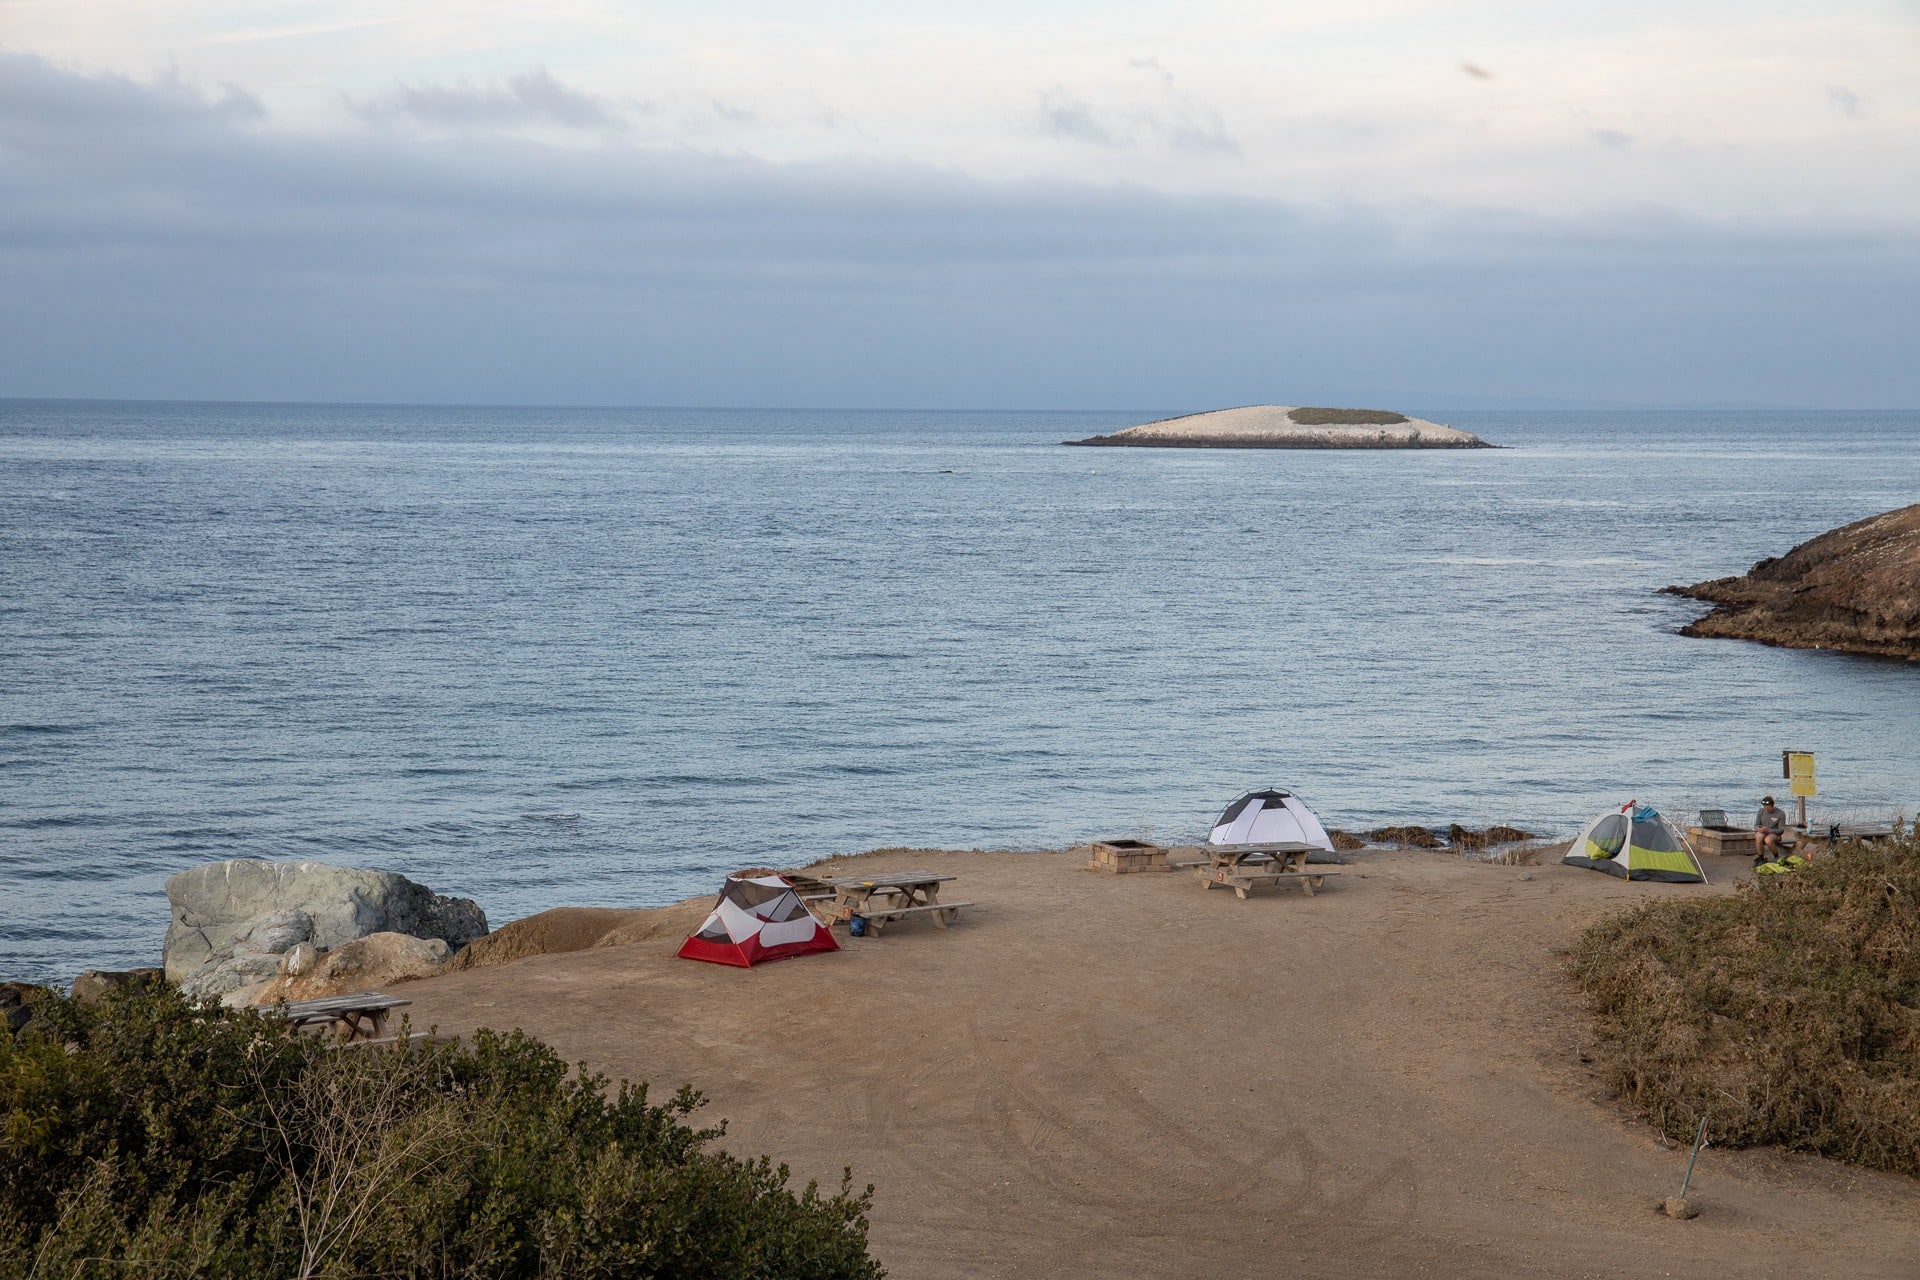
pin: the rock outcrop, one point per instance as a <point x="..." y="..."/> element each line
<point x="559" y="929"/>
<point x="1416" y="837"/>
<point x="1855" y="588"/>
<point x="1274" y="426"/>
<point x="16" y="1004"/>
<point x="95" y="985"/>
<point x="235" y="922"/>
<point x="1460" y="837"/>
<point x="373" y="961"/>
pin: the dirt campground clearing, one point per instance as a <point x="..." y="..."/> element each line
<point x="1101" y="1075"/>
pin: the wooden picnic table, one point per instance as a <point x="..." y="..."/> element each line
<point x="355" y="1017"/>
<point x="1244" y="867"/>
<point x="882" y="899"/>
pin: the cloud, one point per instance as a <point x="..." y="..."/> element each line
<point x="33" y="89"/>
<point x="1850" y="104"/>
<point x="1204" y="136"/>
<point x="1156" y="67"/>
<point x="160" y="241"/>
<point x="1612" y="139"/>
<point x="1175" y="123"/>
<point x="1060" y="115"/>
<point x="532" y="99"/>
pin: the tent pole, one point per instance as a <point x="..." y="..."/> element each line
<point x="1698" y="865"/>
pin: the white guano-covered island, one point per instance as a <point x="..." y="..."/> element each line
<point x="1274" y="426"/>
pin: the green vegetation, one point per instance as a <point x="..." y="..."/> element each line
<point x="1787" y="1013"/>
<point x="145" y="1136"/>
<point x="1346" y="418"/>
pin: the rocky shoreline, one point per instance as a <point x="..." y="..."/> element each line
<point x="1273" y="426"/>
<point x="1855" y="589"/>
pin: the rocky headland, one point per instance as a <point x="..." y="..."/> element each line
<point x="1274" y="426"/>
<point x="1855" y="588"/>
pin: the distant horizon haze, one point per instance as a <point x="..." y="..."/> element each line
<point x="1415" y="406"/>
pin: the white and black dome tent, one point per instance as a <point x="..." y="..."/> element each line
<point x="1271" y="816"/>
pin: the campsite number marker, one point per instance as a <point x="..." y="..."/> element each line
<point x="1797" y="768"/>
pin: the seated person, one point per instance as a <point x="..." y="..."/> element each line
<point x="1769" y="832"/>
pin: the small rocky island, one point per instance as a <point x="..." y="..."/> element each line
<point x="1276" y="426"/>
<point x="1855" y="588"/>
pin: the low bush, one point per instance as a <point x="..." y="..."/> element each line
<point x="1785" y="1013"/>
<point x="147" y="1136"/>
<point x="1314" y="417"/>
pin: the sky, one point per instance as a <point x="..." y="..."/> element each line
<point x="1050" y="204"/>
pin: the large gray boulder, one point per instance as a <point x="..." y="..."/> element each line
<point x="233" y="921"/>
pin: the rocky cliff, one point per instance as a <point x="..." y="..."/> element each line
<point x="1855" y="588"/>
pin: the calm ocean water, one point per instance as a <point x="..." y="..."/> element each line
<point x="545" y="657"/>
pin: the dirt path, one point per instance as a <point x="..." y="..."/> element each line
<point x="1125" y="1075"/>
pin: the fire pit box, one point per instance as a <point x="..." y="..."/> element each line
<point x="1721" y="841"/>
<point x="1119" y="857"/>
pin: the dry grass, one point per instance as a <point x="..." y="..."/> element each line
<point x="1788" y="1013"/>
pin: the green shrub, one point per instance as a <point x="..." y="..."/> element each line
<point x="145" y="1136"/>
<point x="1346" y="417"/>
<point x="1786" y="1013"/>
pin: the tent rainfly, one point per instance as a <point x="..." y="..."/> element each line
<point x="758" y="917"/>
<point x="1270" y="816"/>
<point x="1635" y="843"/>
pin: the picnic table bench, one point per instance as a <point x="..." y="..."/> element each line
<point x="883" y="899"/>
<point x="1244" y="867"/>
<point x="810" y="887"/>
<point x="1838" y="831"/>
<point x="356" y="1017"/>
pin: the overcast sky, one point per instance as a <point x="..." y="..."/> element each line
<point x="1042" y="204"/>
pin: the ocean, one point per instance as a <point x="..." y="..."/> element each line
<point x="546" y="657"/>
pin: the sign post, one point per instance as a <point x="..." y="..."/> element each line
<point x="1797" y="768"/>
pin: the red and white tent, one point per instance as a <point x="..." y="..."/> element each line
<point x="758" y="917"/>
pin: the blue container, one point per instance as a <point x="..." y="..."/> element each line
<point x="857" y="926"/>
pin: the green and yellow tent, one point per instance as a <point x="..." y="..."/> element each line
<point x="1635" y="843"/>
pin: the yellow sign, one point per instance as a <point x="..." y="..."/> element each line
<point x="1799" y="772"/>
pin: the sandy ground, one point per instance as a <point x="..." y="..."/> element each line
<point x="1100" y="1075"/>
